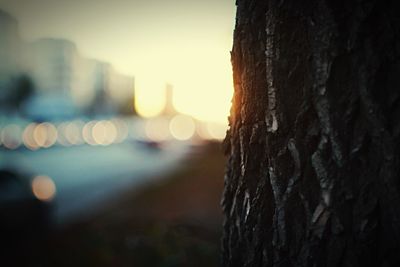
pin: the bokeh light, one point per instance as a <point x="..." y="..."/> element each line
<point x="43" y="188"/>
<point x="157" y="129"/>
<point x="182" y="127"/>
<point x="11" y="136"/>
<point x="73" y="132"/>
<point x="104" y="132"/>
<point x="217" y="131"/>
<point x="27" y="137"/>
<point x="45" y="134"/>
<point x="122" y="130"/>
<point x="87" y="133"/>
<point x="61" y="137"/>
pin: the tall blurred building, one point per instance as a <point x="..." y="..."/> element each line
<point x="10" y="53"/>
<point x="10" y="44"/>
<point x="51" y="67"/>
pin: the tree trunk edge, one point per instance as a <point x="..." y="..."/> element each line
<point x="313" y="171"/>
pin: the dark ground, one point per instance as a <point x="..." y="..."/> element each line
<point x="176" y="222"/>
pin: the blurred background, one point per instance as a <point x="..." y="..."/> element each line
<point x="111" y="119"/>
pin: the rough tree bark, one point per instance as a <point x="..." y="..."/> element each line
<point x="313" y="145"/>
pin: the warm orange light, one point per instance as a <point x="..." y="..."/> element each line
<point x="149" y="101"/>
<point x="202" y="83"/>
<point x="204" y="90"/>
<point x="43" y="188"/>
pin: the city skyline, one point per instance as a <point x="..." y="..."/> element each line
<point x="185" y="43"/>
<point x="63" y="81"/>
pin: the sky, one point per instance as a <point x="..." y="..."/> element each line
<point x="185" y="43"/>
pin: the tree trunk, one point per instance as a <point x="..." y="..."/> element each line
<point x="314" y="139"/>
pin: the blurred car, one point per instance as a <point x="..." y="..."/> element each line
<point x="23" y="209"/>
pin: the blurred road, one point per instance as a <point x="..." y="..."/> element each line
<point x="87" y="177"/>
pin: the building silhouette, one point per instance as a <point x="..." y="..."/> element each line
<point x="169" y="109"/>
<point x="61" y="75"/>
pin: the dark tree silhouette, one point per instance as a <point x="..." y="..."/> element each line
<point x="313" y="175"/>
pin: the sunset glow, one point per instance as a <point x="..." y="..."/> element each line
<point x="202" y="82"/>
<point x="184" y="43"/>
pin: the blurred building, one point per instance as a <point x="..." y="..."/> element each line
<point x="10" y="54"/>
<point x="66" y="83"/>
<point x="91" y="85"/>
<point x="169" y="109"/>
<point x="112" y="91"/>
<point x="51" y="67"/>
<point x="10" y="44"/>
